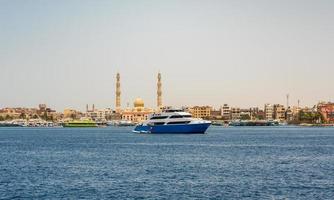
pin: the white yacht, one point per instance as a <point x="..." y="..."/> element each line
<point x="173" y="121"/>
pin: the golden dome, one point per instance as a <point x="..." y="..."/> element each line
<point x="138" y="103"/>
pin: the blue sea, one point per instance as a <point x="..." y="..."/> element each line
<point x="113" y="163"/>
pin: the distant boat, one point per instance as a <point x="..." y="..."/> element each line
<point x="216" y="123"/>
<point x="173" y="121"/>
<point x="120" y="123"/>
<point x="80" y="124"/>
<point x="254" y="123"/>
<point x="9" y="124"/>
<point x="125" y="123"/>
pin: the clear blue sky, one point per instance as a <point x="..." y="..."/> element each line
<point x="245" y="53"/>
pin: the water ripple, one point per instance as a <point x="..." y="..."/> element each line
<point x="113" y="163"/>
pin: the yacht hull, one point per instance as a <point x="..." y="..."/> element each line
<point x="177" y="128"/>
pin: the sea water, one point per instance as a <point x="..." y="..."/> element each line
<point x="114" y="163"/>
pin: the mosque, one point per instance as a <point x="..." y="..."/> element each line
<point x="138" y="112"/>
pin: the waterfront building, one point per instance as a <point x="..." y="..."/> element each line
<point x="184" y="108"/>
<point x="254" y="113"/>
<point x="235" y="113"/>
<point x="327" y="111"/>
<point x="103" y="114"/>
<point x="171" y="107"/>
<point x="71" y="113"/>
<point x="114" y="116"/>
<point x="215" y="114"/>
<point x="289" y="114"/>
<point x="261" y="115"/>
<point x="41" y="112"/>
<point x="279" y="112"/>
<point x="269" y="111"/>
<point x="11" y="112"/>
<point x="138" y="113"/>
<point x="309" y="115"/>
<point x="42" y="107"/>
<point x="295" y="112"/>
<point x="200" y="111"/>
<point x="245" y="114"/>
<point x="307" y="109"/>
<point x="90" y="113"/>
<point x="226" y="112"/>
<point x="99" y="114"/>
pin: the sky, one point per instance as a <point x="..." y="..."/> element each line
<point x="66" y="53"/>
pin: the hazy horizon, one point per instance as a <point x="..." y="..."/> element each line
<point x="243" y="53"/>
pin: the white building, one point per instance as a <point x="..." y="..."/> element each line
<point x="226" y="111"/>
<point x="268" y="111"/>
<point x="99" y="114"/>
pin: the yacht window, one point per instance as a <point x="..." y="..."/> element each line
<point x="159" y="117"/>
<point x="169" y="111"/>
<point x="159" y="123"/>
<point x="176" y="116"/>
<point x="186" y="116"/>
<point x="180" y="122"/>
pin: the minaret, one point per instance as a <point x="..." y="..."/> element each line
<point x="159" y="92"/>
<point x="118" y="93"/>
<point x="298" y="103"/>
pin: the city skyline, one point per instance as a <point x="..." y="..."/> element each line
<point x="66" y="54"/>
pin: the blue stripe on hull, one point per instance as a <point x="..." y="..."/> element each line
<point x="189" y="128"/>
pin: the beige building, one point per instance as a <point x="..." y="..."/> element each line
<point x="11" y="112"/>
<point x="200" y="111"/>
<point x="104" y="113"/>
<point x="279" y="112"/>
<point x="245" y="114"/>
<point x="289" y="114"/>
<point x="71" y="113"/>
<point x="138" y="113"/>
<point x="295" y="111"/>
<point x="98" y="114"/>
<point x="235" y="113"/>
<point x="27" y="112"/>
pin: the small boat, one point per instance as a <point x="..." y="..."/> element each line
<point x="173" y="121"/>
<point x="125" y="123"/>
<point x="253" y="123"/>
<point x="9" y="124"/>
<point x="120" y="123"/>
